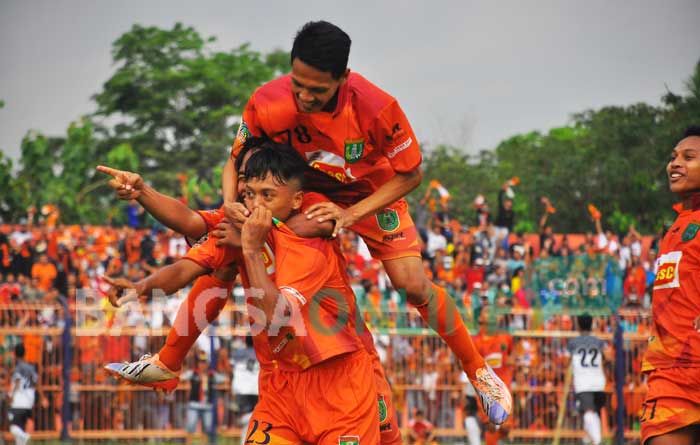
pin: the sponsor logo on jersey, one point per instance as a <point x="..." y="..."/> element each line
<point x="667" y="270"/>
<point x="354" y="150"/>
<point x="393" y="237"/>
<point x="399" y="148"/>
<point x="396" y="133"/>
<point x="330" y="164"/>
<point x="388" y="220"/>
<point x="690" y="232"/>
<point x="286" y="339"/>
<point x="349" y="440"/>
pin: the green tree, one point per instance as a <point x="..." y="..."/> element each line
<point x="10" y="198"/>
<point x="175" y="100"/>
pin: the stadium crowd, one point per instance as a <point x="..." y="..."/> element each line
<point x="536" y="281"/>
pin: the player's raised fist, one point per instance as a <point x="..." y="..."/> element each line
<point x="256" y="228"/>
<point x="237" y="213"/>
<point x="127" y="185"/>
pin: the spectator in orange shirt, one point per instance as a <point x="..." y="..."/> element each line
<point x="635" y="283"/>
<point x="45" y="271"/>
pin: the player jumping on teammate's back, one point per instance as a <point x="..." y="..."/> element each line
<point x="358" y="135"/>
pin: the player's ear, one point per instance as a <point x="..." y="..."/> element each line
<point x="297" y="199"/>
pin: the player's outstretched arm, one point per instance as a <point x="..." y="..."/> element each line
<point x="169" y="211"/>
<point x="168" y="279"/>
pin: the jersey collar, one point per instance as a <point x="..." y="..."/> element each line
<point x="694" y="205"/>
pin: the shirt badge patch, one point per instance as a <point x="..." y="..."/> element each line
<point x="388" y="220"/>
<point x="690" y="232"/>
<point x="354" y="150"/>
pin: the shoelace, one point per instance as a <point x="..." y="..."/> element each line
<point x="136" y="365"/>
<point x="491" y="384"/>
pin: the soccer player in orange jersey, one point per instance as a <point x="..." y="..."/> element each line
<point x="671" y="411"/>
<point x="202" y="307"/>
<point x="497" y="349"/>
<point x="355" y="133"/>
<point x="322" y="348"/>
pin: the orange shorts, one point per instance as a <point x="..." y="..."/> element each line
<point x="672" y="402"/>
<point x="333" y="403"/>
<point x="390" y="233"/>
<point x="388" y="422"/>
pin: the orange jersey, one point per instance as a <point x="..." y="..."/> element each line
<point x="310" y="274"/>
<point x="362" y="143"/>
<point x="211" y="257"/>
<point x="496" y="349"/>
<point x="675" y="337"/>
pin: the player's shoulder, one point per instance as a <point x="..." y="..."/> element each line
<point x="366" y="95"/>
<point x="275" y="89"/>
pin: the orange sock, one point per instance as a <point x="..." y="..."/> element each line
<point x="202" y="305"/>
<point x="441" y="314"/>
<point x="492" y="437"/>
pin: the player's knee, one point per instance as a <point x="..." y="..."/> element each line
<point x="417" y="289"/>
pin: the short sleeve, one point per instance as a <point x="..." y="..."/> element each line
<point x="311" y="198"/>
<point x="210" y="256"/>
<point x="396" y="138"/>
<point x="249" y="127"/>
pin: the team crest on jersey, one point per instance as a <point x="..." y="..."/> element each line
<point x="667" y="270"/>
<point x="383" y="410"/>
<point x="243" y="132"/>
<point x="690" y="231"/>
<point x="388" y="220"/>
<point x="354" y="150"/>
<point x="349" y="440"/>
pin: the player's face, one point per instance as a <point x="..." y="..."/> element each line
<point x="240" y="184"/>
<point x="313" y="89"/>
<point x="280" y="199"/>
<point x="683" y="169"/>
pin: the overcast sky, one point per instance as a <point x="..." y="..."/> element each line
<point x="469" y="73"/>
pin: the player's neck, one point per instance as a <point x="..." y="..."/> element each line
<point x="333" y="103"/>
<point x="691" y="200"/>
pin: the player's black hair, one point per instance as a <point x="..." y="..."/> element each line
<point x="280" y="160"/>
<point x="19" y="350"/>
<point x="323" y="46"/>
<point x="585" y="321"/>
<point x="693" y="130"/>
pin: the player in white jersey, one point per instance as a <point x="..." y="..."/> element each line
<point x="22" y="395"/>
<point x="587" y="354"/>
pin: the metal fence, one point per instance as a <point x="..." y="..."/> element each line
<point x="69" y="344"/>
